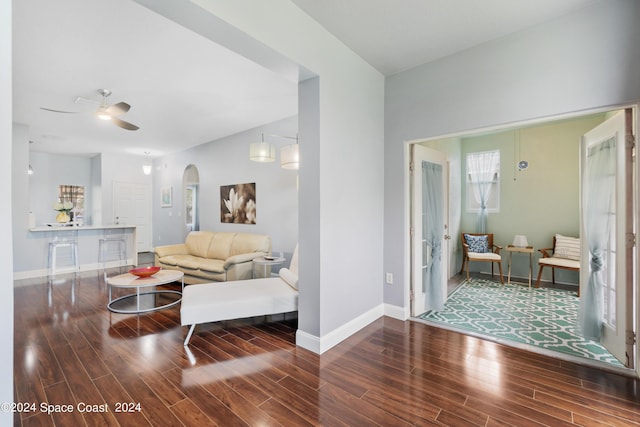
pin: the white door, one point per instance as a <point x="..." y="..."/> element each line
<point x="617" y="251"/>
<point x="132" y="206"/>
<point x="429" y="167"/>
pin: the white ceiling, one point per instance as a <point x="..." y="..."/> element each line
<point x="185" y="90"/>
<point x="396" y="35"/>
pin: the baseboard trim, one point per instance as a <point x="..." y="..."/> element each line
<point x="43" y="272"/>
<point x="397" y="312"/>
<point x="319" y="345"/>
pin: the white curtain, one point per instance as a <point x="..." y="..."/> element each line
<point x="482" y="169"/>
<point x="432" y="235"/>
<point x="597" y="215"/>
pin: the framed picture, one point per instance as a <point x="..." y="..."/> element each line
<point x="238" y="203"/>
<point x="166" y="197"/>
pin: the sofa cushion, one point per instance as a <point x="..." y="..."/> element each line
<point x="198" y="243"/>
<point x="293" y="266"/>
<point x="220" y="246"/>
<point x="211" y="265"/>
<point x="246" y="242"/>
<point x="191" y="263"/>
<point x="290" y="277"/>
<point x="174" y="259"/>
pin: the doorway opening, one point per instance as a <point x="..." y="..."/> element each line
<point x="540" y="197"/>
<point x="191" y="202"/>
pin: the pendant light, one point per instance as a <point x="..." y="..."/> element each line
<point x="290" y="156"/>
<point x="146" y="166"/>
<point x="262" y="152"/>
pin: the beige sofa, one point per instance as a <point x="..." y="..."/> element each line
<point x="208" y="256"/>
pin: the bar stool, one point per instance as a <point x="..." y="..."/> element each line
<point x="52" y="260"/>
<point x="112" y="248"/>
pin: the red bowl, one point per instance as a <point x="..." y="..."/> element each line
<point x="144" y="271"/>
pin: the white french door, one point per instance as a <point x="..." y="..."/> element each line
<point x="429" y="244"/>
<point x="607" y="195"/>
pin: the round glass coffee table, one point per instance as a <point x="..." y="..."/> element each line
<point x="147" y="298"/>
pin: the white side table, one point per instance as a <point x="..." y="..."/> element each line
<point x="262" y="266"/>
<point x="521" y="250"/>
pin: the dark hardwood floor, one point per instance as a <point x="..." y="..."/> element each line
<point x="69" y="350"/>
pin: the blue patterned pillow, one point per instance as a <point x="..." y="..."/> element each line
<point x="477" y="244"/>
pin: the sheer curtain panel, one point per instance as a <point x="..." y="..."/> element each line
<point x="597" y="216"/>
<point x="433" y="234"/>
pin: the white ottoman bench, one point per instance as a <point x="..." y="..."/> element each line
<point x="213" y="302"/>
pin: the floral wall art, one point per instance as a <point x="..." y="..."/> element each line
<point x="238" y="203"/>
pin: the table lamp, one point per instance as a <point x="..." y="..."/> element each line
<point x="520" y="241"/>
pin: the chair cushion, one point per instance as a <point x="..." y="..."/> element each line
<point x="560" y="262"/>
<point x="567" y="247"/>
<point x="484" y="256"/>
<point x="477" y="244"/>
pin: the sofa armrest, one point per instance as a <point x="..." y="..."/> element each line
<point x="240" y="258"/>
<point x="179" y="249"/>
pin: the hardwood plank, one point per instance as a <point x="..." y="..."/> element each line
<point x="121" y="404"/>
<point x="69" y="348"/>
<point x="190" y="414"/>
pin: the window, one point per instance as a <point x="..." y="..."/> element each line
<point x="75" y="195"/>
<point x="483" y="181"/>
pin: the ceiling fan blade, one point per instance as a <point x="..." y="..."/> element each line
<point x="58" y="111"/>
<point x="123" y="124"/>
<point x="118" y="109"/>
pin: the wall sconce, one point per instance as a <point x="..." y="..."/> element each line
<point x="146" y="166"/>
<point x="290" y="156"/>
<point x="30" y="170"/>
<point x="262" y="152"/>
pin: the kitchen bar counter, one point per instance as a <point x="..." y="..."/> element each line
<point x="57" y="227"/>
<point x="87" y="237"/>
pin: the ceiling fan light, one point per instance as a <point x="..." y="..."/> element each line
<point x="102" y="115"/>
<point x="290" y="157"/>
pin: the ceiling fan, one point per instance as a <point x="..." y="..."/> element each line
<point x="105" y="111"/>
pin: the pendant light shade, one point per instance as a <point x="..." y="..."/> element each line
<point x="262" y="152"/>
<point x="146" y="166"/>
<point x="289" y="157"/>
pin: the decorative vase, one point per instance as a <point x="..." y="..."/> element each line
<point x="63" y="217"/>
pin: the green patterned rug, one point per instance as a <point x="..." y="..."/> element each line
<point x="542" y="317"/>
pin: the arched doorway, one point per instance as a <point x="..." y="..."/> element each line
<point x="190" y="184"/>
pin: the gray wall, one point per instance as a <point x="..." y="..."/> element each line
<point x="225" y="162"/>
<point x="348" y="168"/>
<point x="539" y="201"/>
<point x="580" y="61"/>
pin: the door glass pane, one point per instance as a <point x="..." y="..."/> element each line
<point x="432" y="234"/>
